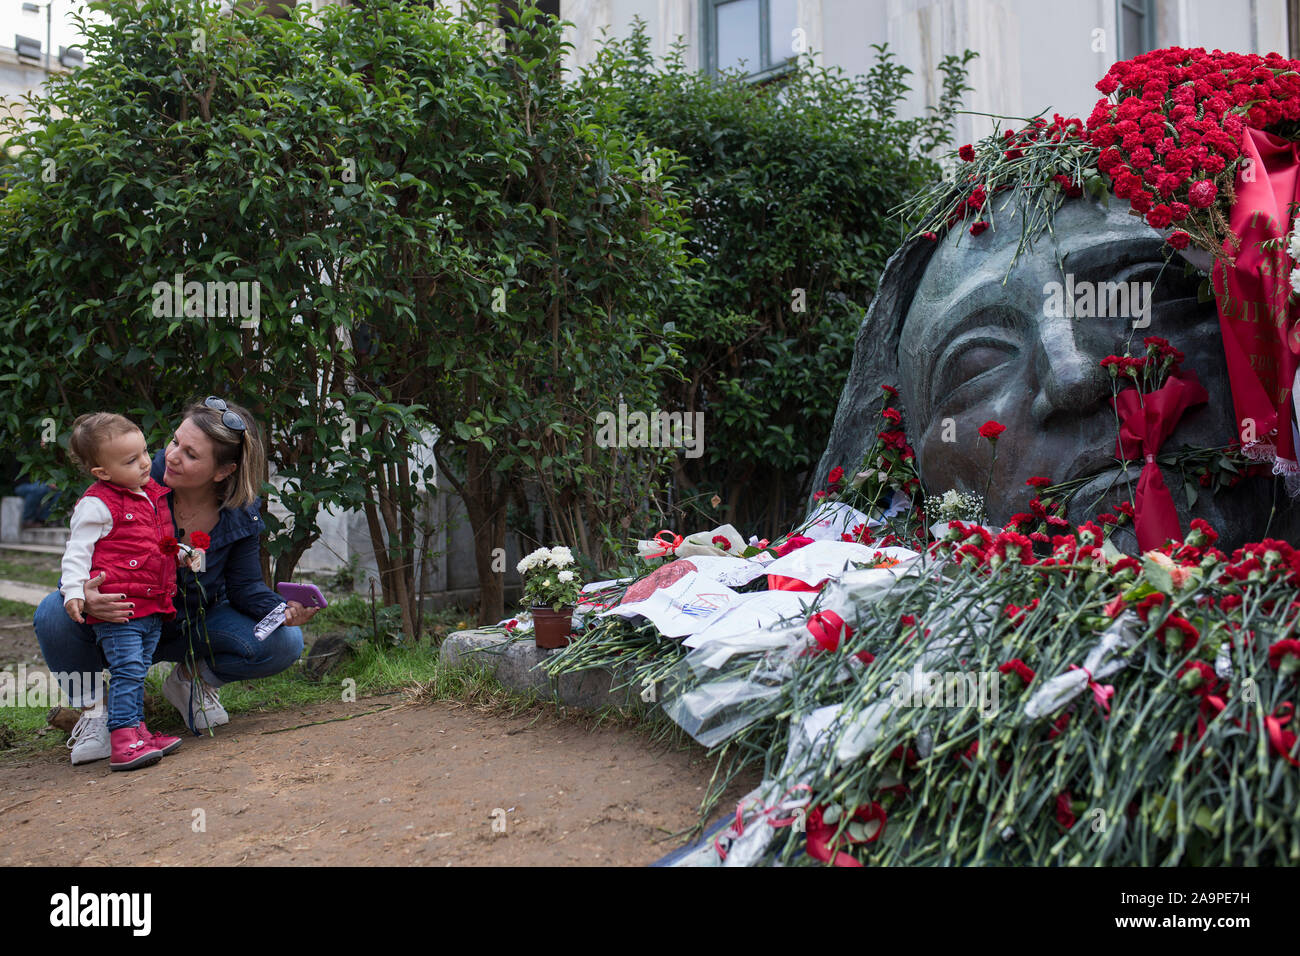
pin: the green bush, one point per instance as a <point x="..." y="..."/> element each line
<point x="792" y="186"/>
<point x="447" y="242"/>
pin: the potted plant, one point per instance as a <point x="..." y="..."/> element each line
<point x="551" y="589"/>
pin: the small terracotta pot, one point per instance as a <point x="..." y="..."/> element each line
<point x="551" y="629"/>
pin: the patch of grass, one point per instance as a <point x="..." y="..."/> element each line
<point x="354" y="611"/>
<point x="470" y="686"/>
<point x="39" y="569"/>
<point x="351" y="611"/>
<point x="10" y="608"/>
<point x="20" y="723"/>
<point x="20" y="731"/>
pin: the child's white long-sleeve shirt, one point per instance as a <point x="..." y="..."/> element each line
<point x="91" y="521"/>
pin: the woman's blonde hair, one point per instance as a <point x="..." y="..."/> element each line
<point x="230" y="446"/>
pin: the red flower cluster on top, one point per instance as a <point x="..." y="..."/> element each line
<point x="1177" y="122"/>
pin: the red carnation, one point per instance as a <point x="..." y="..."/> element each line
<point x="991" y="430"/>
<point x="1064" y="810"/>
<point x="1202" y="194"/>
<point x="978" y="227"/>
<point x="200" y="540"/>
<point x="1019" y="668"/>
<point x="169" y="546"/>
<point x="892" y="415"/>
<point x="835" y="477"/>
<point x="722" y="542"/>
<point x="967" y="153"/>
<point x="1039" y="482"/>
<point x="1186" y="632"/>
<point x="1160" y="217"/>
<point x="1281" y="651"/>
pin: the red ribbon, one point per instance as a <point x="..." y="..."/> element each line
<point x="779" y="582"/>
<point x="667" y="545"/>
<point x="1282" y="740"/>
<point x="826" y="628"/>
<point x="823" y="846"/>
<point x="1256" y="317"/>
<point x="1101" y="693"/>
<point x="1146" y="420"/>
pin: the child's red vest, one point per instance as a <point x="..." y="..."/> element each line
<point x="130" y="555"/>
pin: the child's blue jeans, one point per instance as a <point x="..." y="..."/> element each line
<point x="129" y="648"/>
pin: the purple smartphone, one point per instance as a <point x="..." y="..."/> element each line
<point x="308" y="595"/>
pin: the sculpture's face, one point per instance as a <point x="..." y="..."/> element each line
<point x="975" y="347"/>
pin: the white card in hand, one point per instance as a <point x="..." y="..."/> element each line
<point x="269" y="623"/>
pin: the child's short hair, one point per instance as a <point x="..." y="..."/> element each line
<point x="90" y="433"/>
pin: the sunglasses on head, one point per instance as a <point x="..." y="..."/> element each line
<point x="228" y="418"/>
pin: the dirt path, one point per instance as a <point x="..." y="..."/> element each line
<point x="407" y="784"/>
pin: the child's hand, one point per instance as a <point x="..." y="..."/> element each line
<point x="74" y="608"/>
<point x="191" y="558"/>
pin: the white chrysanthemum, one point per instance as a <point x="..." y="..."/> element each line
<point x="540" y="556"/>
<point x="561" y="557"/>
<point x="1293" y="241"/>
<point x="1295" y="280"/>
<point x="565" y="577"/>
<point x="952" y="499"/>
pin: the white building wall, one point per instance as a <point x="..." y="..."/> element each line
<point x="1035" y="55"/>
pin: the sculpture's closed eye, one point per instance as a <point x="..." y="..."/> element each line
<point x="970" y="357"/>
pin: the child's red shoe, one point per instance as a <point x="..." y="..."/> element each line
<point x="163" y="742"/>
<point x="130" y="750"/>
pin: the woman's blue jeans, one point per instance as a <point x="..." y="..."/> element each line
<point x="229" y="652"/>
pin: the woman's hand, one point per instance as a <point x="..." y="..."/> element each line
<point x="106" y="607"/>
<point x="297" y="615"/>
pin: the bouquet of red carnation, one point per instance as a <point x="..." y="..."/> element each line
<point x="1172" y="137"/>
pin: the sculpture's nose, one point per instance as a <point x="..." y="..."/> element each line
<point x="1071" y="381"/>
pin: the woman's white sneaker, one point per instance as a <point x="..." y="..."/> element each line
<point x="197" y="702"/>
<point x="89" y="740"/>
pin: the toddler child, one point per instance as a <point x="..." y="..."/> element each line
<point x="123" y="527"/>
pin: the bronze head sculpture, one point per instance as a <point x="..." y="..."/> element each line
<point x="968" y="335"/>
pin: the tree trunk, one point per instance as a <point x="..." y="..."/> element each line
<point x="487" y="518"/>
